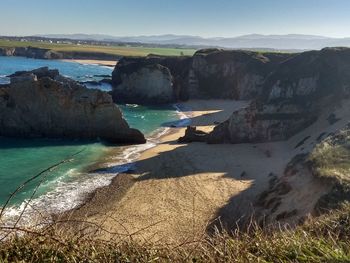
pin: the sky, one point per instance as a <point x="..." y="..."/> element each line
<point x="206" y="18"/>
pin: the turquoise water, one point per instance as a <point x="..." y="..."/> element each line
<point x="77" y="71"/>
<point x="21" y="159"/>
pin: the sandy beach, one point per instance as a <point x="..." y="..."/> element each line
<point x="107" y="63"/>
<point x="178" y="189"/>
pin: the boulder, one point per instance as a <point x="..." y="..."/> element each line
<point x="193" y="135"/>
<point x="21" y="78"/>
<point x="39" y="73"/>
<point x="50" y="105"/>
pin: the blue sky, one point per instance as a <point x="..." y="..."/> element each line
<point x="189" y="17"/>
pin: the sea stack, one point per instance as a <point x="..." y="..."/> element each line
<point x="42" y="103"/>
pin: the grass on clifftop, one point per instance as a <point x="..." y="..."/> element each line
<point x="331" y="158"/>
<point x="330" y="161"/>
<point x="113" y="50"/>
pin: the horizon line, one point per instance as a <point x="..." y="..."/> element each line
<point x="175" y="35"/>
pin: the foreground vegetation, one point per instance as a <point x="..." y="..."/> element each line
<point x="326" y="239"/>
<point x="112" y="50"/>
<point x="330" y="161"/>
<point x="330" y="158"/>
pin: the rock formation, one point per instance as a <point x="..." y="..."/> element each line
<point x="193" y="135"/>
<point x="231" y="74"/>
<point x="209" y="74"/>
<point x="42" y="103"/>
<point x="42" y="53"/>
<point x="290" y="98"/>
<point x="150" y="84"/>
<point x="150" y="80"/>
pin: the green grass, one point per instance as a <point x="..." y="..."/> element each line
<point x="330" y="161"/>
<point x="113" y="50"/>
<point x="331" y="158"/>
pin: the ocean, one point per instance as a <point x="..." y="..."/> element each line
<point x="65" y="186"/>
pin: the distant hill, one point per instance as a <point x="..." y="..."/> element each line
<point x="287" y="42"/>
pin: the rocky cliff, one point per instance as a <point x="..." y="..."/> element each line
<point x="42" y="103"/>
<point x="288" y="90"/>
<point x="151" y="80"/>
<point x="209" y="74"/>
<point x="151" y="84"/>
<point x="292" y="98"/>
<point x="42" y="53"/>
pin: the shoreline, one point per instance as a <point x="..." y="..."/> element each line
<point x="105" y="63"/>
<point x="121" y="181"/>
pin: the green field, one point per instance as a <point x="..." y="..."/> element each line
<point x="113" y="50"/>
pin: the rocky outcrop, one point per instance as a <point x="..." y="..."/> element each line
<point x="150" y="80"/>
<point x="193" y="135"/>
<point x="42" y="103"/>
<point x="42" y="53"/>
<point x="231" y="74"/>
<point x="209" y="74"/>
<point x="310" y="76"/>
<point x="151" y="84"/>
<point x="292" y="98"/>
<point x="31" y="52"/>
<point x="271" y="123"/>
<point x="289" y="90"/>
<point x="38" y="73"/>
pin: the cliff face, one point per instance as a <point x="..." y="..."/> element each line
<point x="292" y="98"/>
<point x="147" y="83"/>
<point x="41" y="103"/>
<point x="310" y="76"/>
<point x="151" y="80"/>
<point x="230" y="74"/>
<point x="42" y="53"/>
<point x="31" y="52"/>
<point x="209" y="74"/>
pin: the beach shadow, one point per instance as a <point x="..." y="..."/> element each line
<point x="160" y="166"/>
<point x="164" y="166"/>
<point x="237" y="214"/>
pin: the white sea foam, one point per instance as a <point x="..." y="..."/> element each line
<point x="133" y="105"/>
<point x="185" y="120"/>
<point x="71" y="189"/>
<point x="4" y="79"/>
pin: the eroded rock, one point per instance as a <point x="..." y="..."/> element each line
<point x="46" y="104"/>
<point x="193" y="135"/>
<point x="209" y="74"/>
